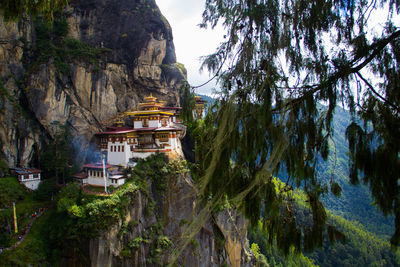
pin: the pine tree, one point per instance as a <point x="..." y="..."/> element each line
<point x="280" y="63"/>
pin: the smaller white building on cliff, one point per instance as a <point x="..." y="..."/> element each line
<point x="30" y="177"/>
<point x="93" y="174"/>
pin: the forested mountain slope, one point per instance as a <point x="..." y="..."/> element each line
<point x="360" y="247"/>
<point x="355" y="202"/>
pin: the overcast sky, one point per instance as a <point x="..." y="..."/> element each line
<point x="190" y="41"/>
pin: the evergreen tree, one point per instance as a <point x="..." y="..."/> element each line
<point x="279" y="60"/>
<point x="57" y="157"/>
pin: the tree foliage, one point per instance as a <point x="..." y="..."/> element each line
<point x="57" y="157"/>
<point x="280" y="58"/>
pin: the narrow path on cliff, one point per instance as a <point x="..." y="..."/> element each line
<point x="26" y="229"/>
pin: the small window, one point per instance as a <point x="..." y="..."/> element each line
<point x="119" y="148"/>
<point x="163" y="137"/>
<point x="131" y="148"/>
<point x="123" y="148"/>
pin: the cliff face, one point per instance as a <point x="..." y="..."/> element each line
<point x="140" y="60"/>
<point x="221" y="239"/>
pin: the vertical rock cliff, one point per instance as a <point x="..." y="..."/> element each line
<point x="139" y="60"/>
<point x="150" y="237"/>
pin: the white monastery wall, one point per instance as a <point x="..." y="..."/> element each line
<point x="118" y="153"/>
<point x="33" y="184"/>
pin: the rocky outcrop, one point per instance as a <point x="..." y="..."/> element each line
<point x="173" y="211"/>
<point x="19" y="132"/>
<point x="140" y="60"/>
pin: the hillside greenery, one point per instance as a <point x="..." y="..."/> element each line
<point x="26" y="204"/>
<point x="355" y="202"/>
<point x="358" y="247"/>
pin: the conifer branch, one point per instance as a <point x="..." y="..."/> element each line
<point x="377" y="94"/>
<point x="378" y="46"/>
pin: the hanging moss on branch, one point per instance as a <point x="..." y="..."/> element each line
<point x="276" y="66"/>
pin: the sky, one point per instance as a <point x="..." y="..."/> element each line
<point x="190" y="41"/>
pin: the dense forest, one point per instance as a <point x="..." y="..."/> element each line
<point x="359" y="247"/>
<point x="355" y="202"/>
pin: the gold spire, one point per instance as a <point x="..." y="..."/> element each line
<point x="150" y="98"/>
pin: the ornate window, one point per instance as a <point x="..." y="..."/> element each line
<point x="163" y="137"/>
<point x="145" y="122"/>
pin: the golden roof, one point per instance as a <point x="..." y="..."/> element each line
<point x="148" y="112"/>
<point x="150" y="98"/>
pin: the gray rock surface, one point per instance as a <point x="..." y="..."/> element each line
<point x="175" y="209"/>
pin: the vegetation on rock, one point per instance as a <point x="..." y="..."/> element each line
<point x="14" y="10"/>
<point x="53" y="44"/>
